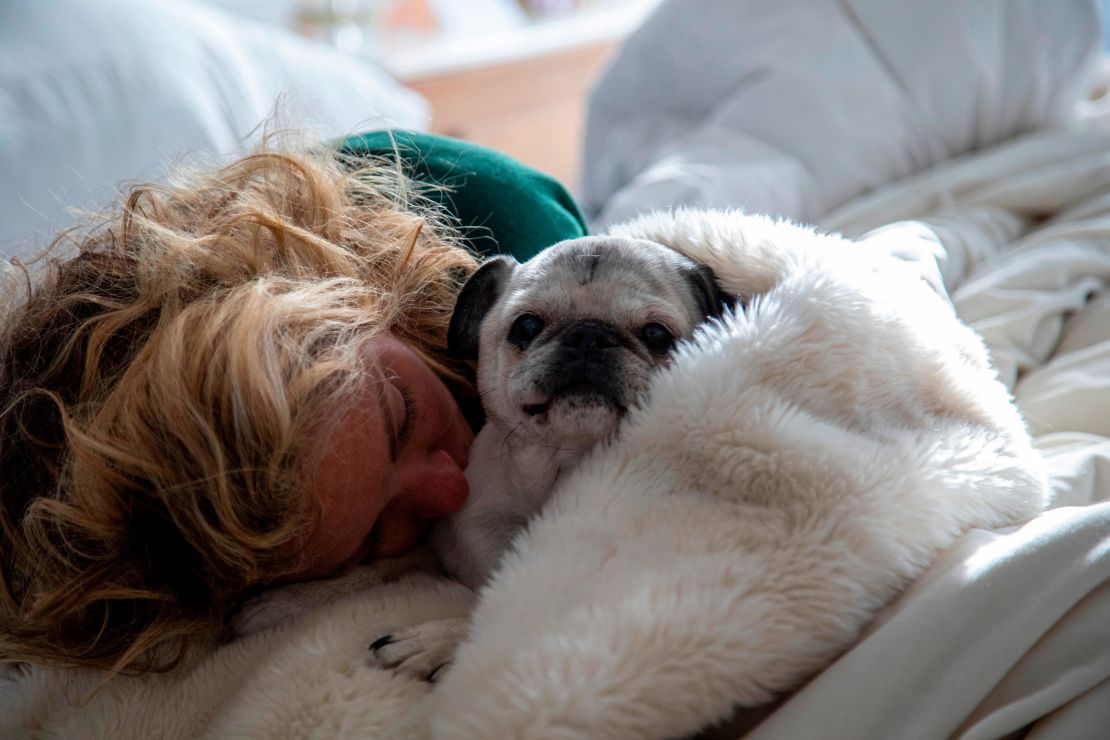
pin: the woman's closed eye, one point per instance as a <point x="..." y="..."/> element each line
<point x="401" y="429"/>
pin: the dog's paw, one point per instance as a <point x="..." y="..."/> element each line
<point x="423" y="651"/>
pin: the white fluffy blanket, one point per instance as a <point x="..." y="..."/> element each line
<point x="798" y="465"/>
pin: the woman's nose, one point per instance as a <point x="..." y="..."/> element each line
<point x="435" y="485"/>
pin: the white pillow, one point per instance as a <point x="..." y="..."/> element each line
<point x="93" y="94"/>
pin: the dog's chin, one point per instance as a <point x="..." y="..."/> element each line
<point x="580" y="415"/>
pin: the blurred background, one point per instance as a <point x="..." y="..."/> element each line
<point x="512" y="74"/>
<point x="96" y="93"/>
<point x="509" y="74"/>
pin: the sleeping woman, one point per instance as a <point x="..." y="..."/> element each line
<point x="242" y="380"/>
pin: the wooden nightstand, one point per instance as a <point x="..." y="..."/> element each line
<point x="522" y="91"/>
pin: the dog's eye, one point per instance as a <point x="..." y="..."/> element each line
<point x="526" y="328"/>
<point x="657" y="338"/>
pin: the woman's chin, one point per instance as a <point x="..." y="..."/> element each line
<point x="400" y="536"/>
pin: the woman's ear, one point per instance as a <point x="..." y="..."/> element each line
<point x="475" y="300"/>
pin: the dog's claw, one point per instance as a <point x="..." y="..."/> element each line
<point x="420" y="652"/>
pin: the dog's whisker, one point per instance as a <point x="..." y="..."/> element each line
<point x="506" y="443"/>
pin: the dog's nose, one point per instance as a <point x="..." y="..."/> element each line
<point x="589" y="335"/>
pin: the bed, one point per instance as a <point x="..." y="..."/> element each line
<point x="985" y="170"/>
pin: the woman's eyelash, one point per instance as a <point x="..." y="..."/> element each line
<point x="410" y="414"/>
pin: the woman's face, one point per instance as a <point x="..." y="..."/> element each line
<point x="393" y="463"/>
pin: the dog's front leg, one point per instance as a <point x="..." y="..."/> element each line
<point x="423" y="651"/>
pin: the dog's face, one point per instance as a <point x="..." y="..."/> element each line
<point x="567" y="341"/>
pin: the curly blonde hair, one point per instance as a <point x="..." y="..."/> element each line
<point x="159" y="392"/>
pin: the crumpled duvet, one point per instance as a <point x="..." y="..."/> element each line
<point x="794" y="108"/>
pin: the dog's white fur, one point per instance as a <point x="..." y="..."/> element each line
<point x="796" y="467"/>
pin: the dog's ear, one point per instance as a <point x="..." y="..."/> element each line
<point x="707" y="293"/>
<point x="474" y="302"/>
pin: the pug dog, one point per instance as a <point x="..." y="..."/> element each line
<point x="565" y="345"/>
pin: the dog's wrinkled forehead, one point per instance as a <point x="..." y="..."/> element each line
<point x="639" y="266"/>
<point x="612" y="279"/>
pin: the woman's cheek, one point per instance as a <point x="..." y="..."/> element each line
<point x="401" y="530"/>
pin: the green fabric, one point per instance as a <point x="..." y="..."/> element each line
<point x="501" y="205"/>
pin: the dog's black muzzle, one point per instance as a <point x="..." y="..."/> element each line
<point x="588" y="364"/>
